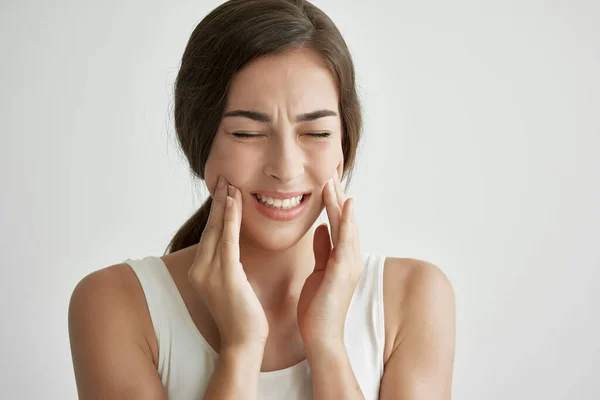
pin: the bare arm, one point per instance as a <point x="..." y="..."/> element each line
<point x="331" y="372"/>
<point x="421" y="364"/>
<point x="111" y="357"/>
<point x="218" y="276"/>
<point x="236" y="375"/>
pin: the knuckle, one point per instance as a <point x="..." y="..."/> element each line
<point x="228" y="242"/>
<point x="197" y="274"/>
<point x="218" y="197"/>
<point x="228" y="217"/>
<point x="202" y="278"/>
<point x="348" y="241"/>
<point x="209" y="229"/>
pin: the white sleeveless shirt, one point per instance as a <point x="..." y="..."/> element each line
<point x="186" y="361"/>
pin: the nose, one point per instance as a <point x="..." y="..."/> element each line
<point x="285" y="158"/>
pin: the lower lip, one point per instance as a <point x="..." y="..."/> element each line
<point x="281" y="215"/>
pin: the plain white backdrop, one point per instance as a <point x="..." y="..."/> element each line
<point x="480" y="154"/>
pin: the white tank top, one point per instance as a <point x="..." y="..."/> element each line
<point x="186" y="361"/>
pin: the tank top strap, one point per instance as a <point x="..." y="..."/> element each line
<point x="365" y="325"/>
<point x="162" y="298"/>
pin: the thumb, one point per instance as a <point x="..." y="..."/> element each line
<point x="321" y="247"/>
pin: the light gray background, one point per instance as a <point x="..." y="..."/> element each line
<point x="482" y="135"/>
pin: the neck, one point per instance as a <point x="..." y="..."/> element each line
<point x="277" y="277"/>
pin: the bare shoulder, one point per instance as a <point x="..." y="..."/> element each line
<point x="116" y="279"/>
<point x="112" y="357"/>
<point x="411" y="287"/>
<point x="114" y="286"/>
<point x="116" y="289"/>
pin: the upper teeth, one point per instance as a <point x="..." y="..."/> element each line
<point x="279" y="203"/>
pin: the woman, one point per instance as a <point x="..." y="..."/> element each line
<point x="249" y="301"/>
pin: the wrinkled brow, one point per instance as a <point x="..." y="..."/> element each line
<point x="264" y="118"/>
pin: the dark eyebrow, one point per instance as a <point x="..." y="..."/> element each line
<point x="262" y="117"/>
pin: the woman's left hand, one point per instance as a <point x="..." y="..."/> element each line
<point x="328" y="290"/>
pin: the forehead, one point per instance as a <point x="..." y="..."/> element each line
<point x="296" y="80"/>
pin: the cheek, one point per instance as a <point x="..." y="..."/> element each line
<point x="324" y="163"/>
<point x="216" y="165"/>
<point x="231" y="162"/>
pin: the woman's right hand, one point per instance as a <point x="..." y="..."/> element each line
<point x="218" y="276"/>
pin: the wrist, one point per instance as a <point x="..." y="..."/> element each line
<point x="325" y="357"/>
<point x="249" y="355"/>
<point x="324" y="347"/>
<point x="243" y="348"/>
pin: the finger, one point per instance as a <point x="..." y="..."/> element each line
<point x="218" y="251"/>
<point x="340" y="194"/>
<point x="214" y="225"/>
<point x="238" y="202"/>
<point x="334" y="211"/>
<point x="348" y="234"/>
<point x="321" y="247"/>
<point x="230" y="246"/>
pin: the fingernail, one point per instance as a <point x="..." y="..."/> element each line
<point x="221" y="182"/>
<point x="231" y="190"/>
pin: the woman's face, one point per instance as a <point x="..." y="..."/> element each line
<point x="284" y="153"/>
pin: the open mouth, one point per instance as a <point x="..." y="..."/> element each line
<point x="281" y="204"/>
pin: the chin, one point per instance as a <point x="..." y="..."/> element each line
<point x="277" y="236"/>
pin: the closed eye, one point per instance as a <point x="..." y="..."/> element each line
<point x="245" y="135"/>
<point x="250" y="135"/>
<point x="320" y="134"/>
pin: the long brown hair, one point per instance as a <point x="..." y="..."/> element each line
<point x="228" y="38"/>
